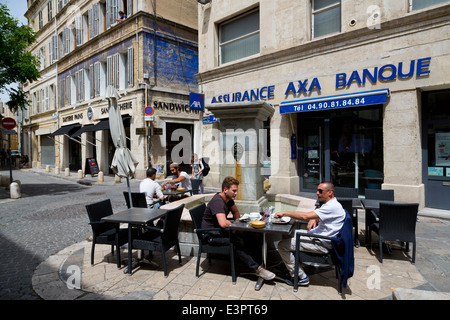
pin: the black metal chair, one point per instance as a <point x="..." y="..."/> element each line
<point x="347" y="204"/>
<point x="138" y="199"/>
<point x="350" y="193"/>
<point x="161" y="239"/>
<point x="205" y="247"/>
<point x="397" y="222"/>
<point x="376" y="194"/>
<point x="341" y="255"/>
<point x="345" y="192"/>
<point x="195" y="186"/>
<point x="103" y="232"/>
<point x="379" y="194"/>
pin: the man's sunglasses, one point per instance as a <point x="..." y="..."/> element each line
<point x="320" y="190"/>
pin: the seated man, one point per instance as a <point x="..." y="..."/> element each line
<point x="326" y="221"/>
<point x="151" y="189"/>
<point x="179" y="177"/>
<point x="215" y="216"/>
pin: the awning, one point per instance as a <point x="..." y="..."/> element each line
<point x="64" y="129"/>
<point x="102" y="125"/>
<point x="86" y="128"/>
<point x="333" y="102"/>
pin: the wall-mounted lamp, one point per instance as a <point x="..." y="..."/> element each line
<point x="203" y="1"/>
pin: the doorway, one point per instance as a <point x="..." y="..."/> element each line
<point x="183" y="148"/>
<point x="436" y="148"/>
<point x="344" y="146"/>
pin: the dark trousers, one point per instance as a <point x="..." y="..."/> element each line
<point x="247" y="246"/>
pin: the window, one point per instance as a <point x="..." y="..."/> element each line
<point x="53" y="49"/>
<point x="66" y="40"/>
<point x="49" y="10"/>
<point x="420" y="4"/>
<point x="239" y="38"/>
<point x="41" y="22"/>
<point x="326" y="16"/>
<point x="112" y="12"/>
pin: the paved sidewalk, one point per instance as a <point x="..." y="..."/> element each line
<point x="103" y="280"/>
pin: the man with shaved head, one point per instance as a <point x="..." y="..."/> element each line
<point x="326" y="220"/>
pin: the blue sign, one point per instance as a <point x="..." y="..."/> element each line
<point x="209" y="119"/>
<point x="196" y="101"/>
<point x="333" y="102"/>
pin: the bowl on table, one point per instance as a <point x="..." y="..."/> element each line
<point x="254" y="216"/>
<point x="180" y="189"/>
<point x="258" y="224"/>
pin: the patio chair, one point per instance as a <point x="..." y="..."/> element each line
<point x="103" y="232"/>
<point x="195" y="186"/>
<point x="345" y="192"/>
<point x="341" y="255"/>
<point x="161" y="239"/>
<point x="138" y="199"/>
<point x="205" y="247"/>
<point x="376" y="194"/>
<point x="397" y="222"/>
<point x="347" y="204"/>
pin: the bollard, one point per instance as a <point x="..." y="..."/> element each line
<point x="67" y="172"/>
<point x="20" y="185"/>
<point x="14" y="190"/>
<point x="80" y="174"/>
<point x="47" y="168"/>
<point x="100" y="177"/>
<point x="57" y="170"/>
<point x="117" y="179"/>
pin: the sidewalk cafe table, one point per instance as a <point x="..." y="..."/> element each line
<point x="169" y="192"/>
<point x="134" y="217"/>
<point x="272" y="228"/>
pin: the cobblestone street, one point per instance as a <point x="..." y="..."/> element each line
<point x="48" y="217"/>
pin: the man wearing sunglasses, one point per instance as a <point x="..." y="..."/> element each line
<point x="325" y="221"/>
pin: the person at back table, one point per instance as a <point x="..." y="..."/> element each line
<point x="179" y="177"/>
<point x="215" y="216"/>
<point x="325" y="221"/>
<point x="151" y="189"/>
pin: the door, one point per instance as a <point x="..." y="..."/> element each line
<point x="179" y="148"/>
<point x="436" y="148"/>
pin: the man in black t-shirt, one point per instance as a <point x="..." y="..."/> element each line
<point x="215" y="216"/>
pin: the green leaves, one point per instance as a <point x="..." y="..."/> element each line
<point x="17" y="64"/>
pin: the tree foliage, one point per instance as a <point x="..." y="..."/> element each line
<point x="17" y="64"/>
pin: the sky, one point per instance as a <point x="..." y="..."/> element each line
<point x="17" y="9"/>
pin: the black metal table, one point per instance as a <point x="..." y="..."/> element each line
<point x="133" y="217"/>
<point x="273" y="228"/>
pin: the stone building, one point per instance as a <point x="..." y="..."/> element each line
<point x="150" y="57"/>
<point x="360" y="91"/>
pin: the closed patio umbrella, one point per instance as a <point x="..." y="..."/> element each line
<point x="124" y="163"/>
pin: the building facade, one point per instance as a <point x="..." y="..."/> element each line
<point x="360" y="90"/>
<point x="150" y="57"/>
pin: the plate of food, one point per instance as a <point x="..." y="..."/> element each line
<point x="282" y="220"/>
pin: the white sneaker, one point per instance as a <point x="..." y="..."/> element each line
<point x="264" y="273"/>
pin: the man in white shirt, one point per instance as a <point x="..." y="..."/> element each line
<point x="325" y="221"/>
<point x="151" y="188"/>
<point x="179" y="177"/>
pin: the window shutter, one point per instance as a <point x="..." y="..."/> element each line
<point x="116" y="70"/>
<point x="95" y="9"/>
<point x="91" y="81"/>
<point x="68" y="91"/>
<point x="97" y="78"/>
<point x="79" y="30"/>
<point x="55" y="47"/>
<point x="109" y="71"/>
<point x="108" y="14"/>
<point x="66" y="40"/>
<point x="91" y="22"/>
<point x="129" y="8"/>
<point x="130" y="67"/>
<point x="50" y="51"/>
